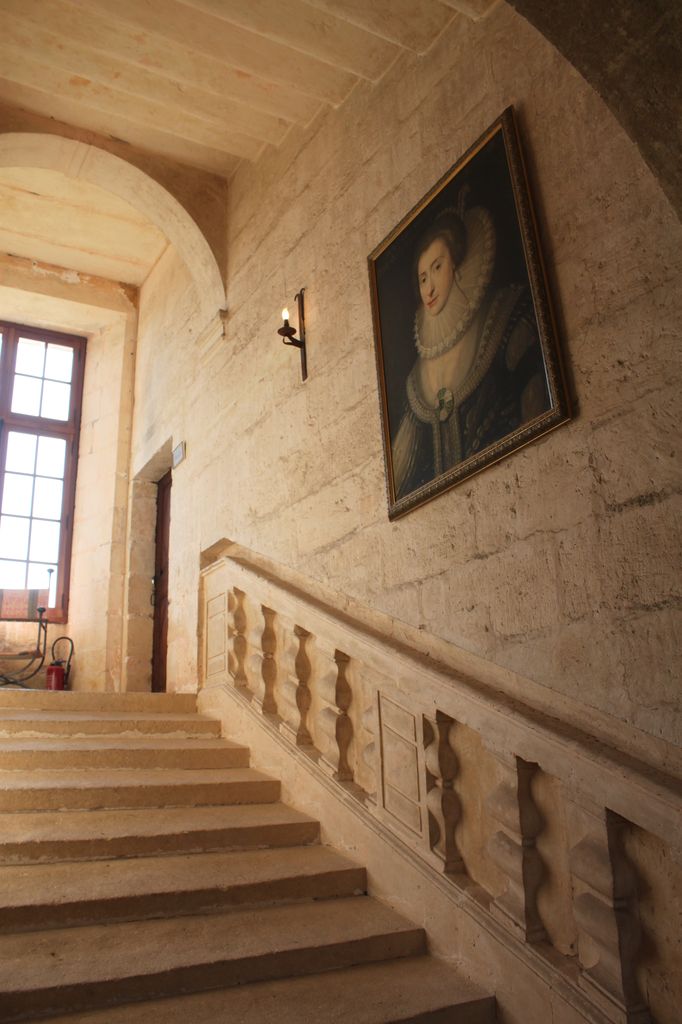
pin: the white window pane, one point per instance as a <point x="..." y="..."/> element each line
<point x="51" y="455"/>
<point x="21" y="452"/>
<point x="47" y="498"/>
<point x="56" y="398"/>
<point x="59" y="363"/>
<point x="30" y="357"/>
<point x="17" y="494"/>
<point x="44" y="541"/>
<point x="39" y="579"/>
<point x="26" y="395"/>
<point x="12" y="575"/>
<point x="14" y="537"/>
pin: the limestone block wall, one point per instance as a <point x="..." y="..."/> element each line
<point x="168" y="409"/>
<point x="560" y="564"/>
<point x="99" y="539"/>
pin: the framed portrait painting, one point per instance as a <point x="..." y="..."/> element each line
<point x="468" y="362"/>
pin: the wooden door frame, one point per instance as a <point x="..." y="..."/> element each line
<point x="161" y="561"/>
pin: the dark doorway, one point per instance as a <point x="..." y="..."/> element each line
<point x="161" y="585"/>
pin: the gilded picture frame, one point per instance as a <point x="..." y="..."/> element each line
<point x="468" y="362"/>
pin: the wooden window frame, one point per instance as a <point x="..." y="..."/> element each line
<point x="69" y="430"/>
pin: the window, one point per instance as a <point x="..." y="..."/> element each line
<point x="41" y="387"/>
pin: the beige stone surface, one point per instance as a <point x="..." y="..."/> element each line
<point x="90" y="789"/>
<point x="423" y="992"/>
<point x="69" y="835"/>
<point x="53" y="218"/>
<point x="658" y="881"/>
<point x="107" y="906"/>
<point x="546" y="563"/>
<point x="555" y="897"/>
<point x="460" y="931"/>
<point x="53" y="895"/>
<point x="23" y="701"/>
<point x="210" y="950"/>
<point x="123" y="752"/>
<point x="477" y="776"/>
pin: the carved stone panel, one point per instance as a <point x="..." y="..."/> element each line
<point x="216" y="636"/>
<point x="400" y="785"/>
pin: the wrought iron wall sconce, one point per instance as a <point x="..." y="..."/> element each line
<point x="288" y="333"/>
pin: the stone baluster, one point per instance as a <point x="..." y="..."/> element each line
<point x="442" y="802"/>
<point x="335" y="729"/>
<point x="262" y="662"/>
<point x="513" y="849"/>
<point x="605" y="908"/>
<point x="237" y="637"/>
<point x="294" y="692"/>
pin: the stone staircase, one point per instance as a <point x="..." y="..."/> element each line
<point x="148" y="873"/>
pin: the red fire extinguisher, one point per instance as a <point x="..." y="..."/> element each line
<point x="57" y="675"/>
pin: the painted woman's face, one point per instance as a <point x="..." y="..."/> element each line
<point x="435" y="272"/>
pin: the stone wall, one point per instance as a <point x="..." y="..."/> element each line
<point x="559" y="563"/>
<point x="98" y="562"/>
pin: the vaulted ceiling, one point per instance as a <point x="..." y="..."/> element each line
<point x="205" y="82"/>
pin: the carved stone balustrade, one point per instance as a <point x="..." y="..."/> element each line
<point x="605" y="911"/>
<point x="513" y="847"/>
<point x="294" y="691"/>
<point x="236" y="635"/>
<point x="443" y="804"/>
<point x="262" y="663"/>
<point x="403" y="740"/>
<point x="335" y="729"/>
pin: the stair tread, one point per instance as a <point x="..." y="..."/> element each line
<point x="380" y="993"/>
<point x="23" y="827"/>
<point x="40" y="885"/>
<point x="112" y="742"/>
<point x="41" y="715"/>
<point x="98" y="778"/>
<point x="33" y="961"/>
<point x="95" y="700"/>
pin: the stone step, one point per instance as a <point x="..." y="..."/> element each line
<point x="89" y="967"/>
<point x="92" y="789"/>
<point x="70" y="700"/>
<point x="39" y="896"/>
<point x="415" y="990"/>
<point x="86" y="723"/>
<point x="81" y="835"/>
<point x="124" y="752"/>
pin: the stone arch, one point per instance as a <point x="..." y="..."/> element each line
<point x="111" y="173"/>
<point x="629" y="51"/>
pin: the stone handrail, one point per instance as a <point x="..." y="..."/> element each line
<point x="418" y="745"/>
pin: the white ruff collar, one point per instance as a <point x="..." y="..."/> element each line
<point x="434" y="335"/>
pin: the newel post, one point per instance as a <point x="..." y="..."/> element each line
<point x="605" y="908"/>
